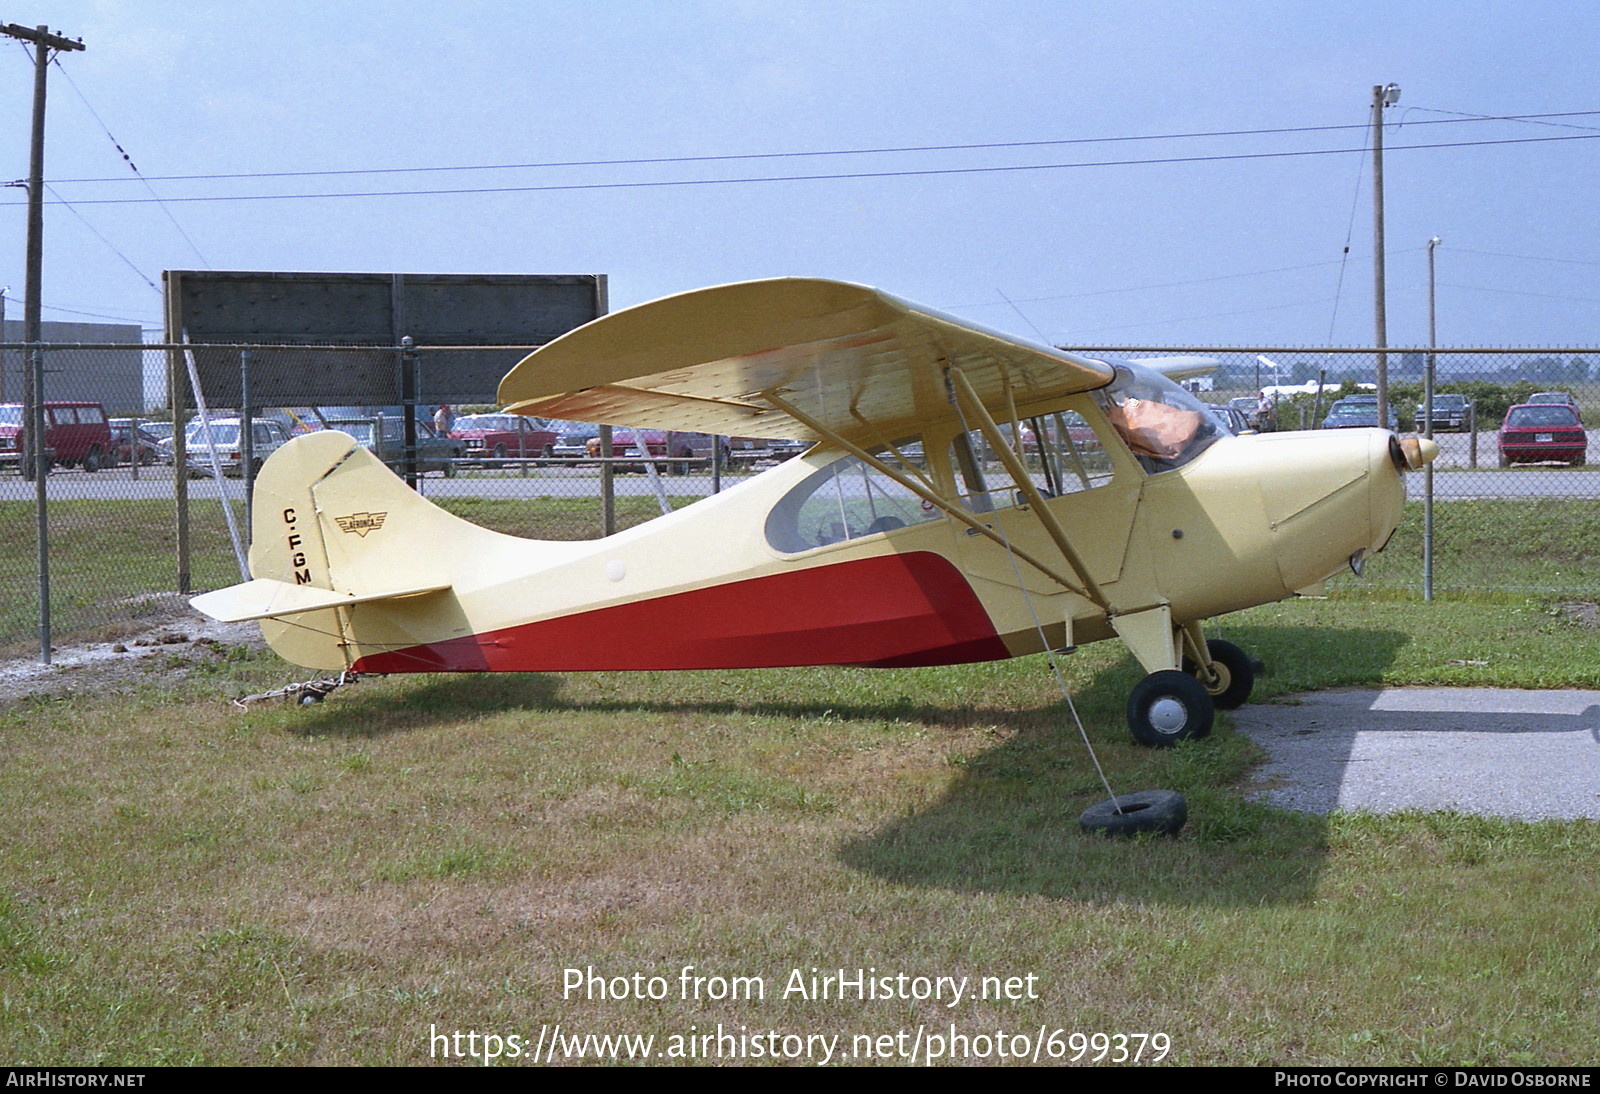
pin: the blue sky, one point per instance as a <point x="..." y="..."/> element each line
<point x="1232" y="251"/>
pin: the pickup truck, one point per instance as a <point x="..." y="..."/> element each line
<point x="385" y="438"/>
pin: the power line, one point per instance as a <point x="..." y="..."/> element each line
<point x="842" y="176"/>
<point x="757" y="156"/>
<point x="1159" y="285"/>
<point x="113" y="247"/>
<point x="1530" y="258"/>
<point x="132" y="167"/>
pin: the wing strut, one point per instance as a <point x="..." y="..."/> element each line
<point x="1024" y="482"/>
<point x="926" y="494"/>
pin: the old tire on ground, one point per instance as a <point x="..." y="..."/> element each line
<point x="1159" y="811"/>
<point x="1236" y="674"/>
<point x="1167" y="707"/>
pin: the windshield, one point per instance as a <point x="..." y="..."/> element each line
<point x="222" y="433"/>
<point x="1163" y="425"/>
<point x="1545" y="414"/>
<point x="10" y="415"/>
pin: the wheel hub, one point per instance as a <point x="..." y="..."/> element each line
<point x="1168" y="715"/>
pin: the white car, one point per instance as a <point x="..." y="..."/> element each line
<point x="226" y="439"/>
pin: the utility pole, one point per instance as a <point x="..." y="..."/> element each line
<point x="33" y="375"/>
<point x="1382" y="95"/>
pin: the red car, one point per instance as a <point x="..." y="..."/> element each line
<point x="503" y="436"/>
<point x="75" y="435"/>
<point x="1543" y="433"/>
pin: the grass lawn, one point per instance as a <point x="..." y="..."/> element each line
<point x="181" y="881"/>
<point x="185" y="882"/>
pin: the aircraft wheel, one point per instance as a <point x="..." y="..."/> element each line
<point x="1236" y="674"/>
<point x="1167" y="707"/>
<point x="1161" y="811"/>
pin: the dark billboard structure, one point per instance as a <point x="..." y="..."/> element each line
<point x="512" y="312"/>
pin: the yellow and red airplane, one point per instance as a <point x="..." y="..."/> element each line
<point x="969" y="496"/>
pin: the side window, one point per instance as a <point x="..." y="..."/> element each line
<point x="91" y="415"/>
<point x="849" y="499"/>
<point x="1059" y="450"/>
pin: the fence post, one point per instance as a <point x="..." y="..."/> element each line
<point x="408" y="396"/>
<point x="247" y="443"/>
<point x="41" y="472"/>
<point x="608" y="497"/>
<point x="1472" y="432"/>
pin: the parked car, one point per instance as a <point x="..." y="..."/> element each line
<point x="226" y="440"/>
<point x="503" y="436"/>
<point x="1450" y="412"/>
<point x="623" y="443"/>
<point x="75" y="435"/>
<point x="1562" y="398"/>
<point x="385" y="438"/>
<point x="1543" y="433"/>
<point x="1358" y="412"/>
<point x="1246" y="405"/>
<point x="130" y="440"/>
<point x="572" y="438"/>
<point x="685" y="446"/>
<point x="1231" y="419"/>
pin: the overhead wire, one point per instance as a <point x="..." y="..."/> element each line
<point x="634" y="161"/>
<point x="825" y="177"/>
<point x="98" y="235"/>
<point x="131" y="166"/>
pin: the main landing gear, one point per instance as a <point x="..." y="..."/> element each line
<point x="1173" y="705"/>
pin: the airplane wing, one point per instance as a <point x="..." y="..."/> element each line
<point x="862" y="363"/>
<point x="1178" y="369"/>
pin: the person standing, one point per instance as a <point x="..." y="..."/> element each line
<point x="443" y="420"/>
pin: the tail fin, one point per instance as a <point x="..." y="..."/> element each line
<point x="333" y="527"/>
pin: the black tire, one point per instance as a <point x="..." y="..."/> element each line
<point x="449" y="469"/>
<point x="499" y="451"/>
<point x="92" y="461"/>
<point x="1167" y="707"/>
<point x="1160" y="811"/>
<point x="1505" y="461"/>
<point x="1236" y="674"/>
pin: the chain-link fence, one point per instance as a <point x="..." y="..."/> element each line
<point x="137" y="513"/>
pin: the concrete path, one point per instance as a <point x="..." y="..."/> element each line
<point x="1528" y="755"/>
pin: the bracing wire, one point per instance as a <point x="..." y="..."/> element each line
<point x="1038" y="626"/>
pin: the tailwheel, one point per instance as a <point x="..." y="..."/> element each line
<point x="1232" y="676"/>
<point x="1167" y="707"/>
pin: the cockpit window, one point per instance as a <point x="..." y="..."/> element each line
<point x="849" y="499"/>
<point x="1059" y="450"/>
<point x="1163" y="425"/>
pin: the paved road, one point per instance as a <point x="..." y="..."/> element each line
<point x="1453" y="479"/>
<point x="1528" y="755"/>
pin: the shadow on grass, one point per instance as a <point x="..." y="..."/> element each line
<point x="1009" y="822"/>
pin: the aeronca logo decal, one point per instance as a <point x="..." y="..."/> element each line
<point x="361" y="523"/>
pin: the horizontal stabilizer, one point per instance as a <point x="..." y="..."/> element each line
<point x="266" y="598"/>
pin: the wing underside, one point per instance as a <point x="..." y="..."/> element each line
<point x="862" y="363"/>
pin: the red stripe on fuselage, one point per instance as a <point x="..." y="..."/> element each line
<point x="890" y="610"/>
